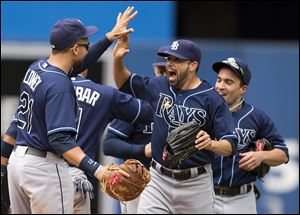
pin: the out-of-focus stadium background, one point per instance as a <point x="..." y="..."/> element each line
<point x="265" y="34"/>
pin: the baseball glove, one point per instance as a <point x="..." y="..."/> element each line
<point x="122" y="188"/>
<point x="262" y="169"/>
<point x="180" y="144"/>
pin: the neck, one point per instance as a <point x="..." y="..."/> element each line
<point x="237" y="106"/>
<point x="57" y="61"/>
<point x="191" y="84"/>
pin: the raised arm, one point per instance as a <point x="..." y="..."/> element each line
<point x="120" y="72"/>
<point x="97" y="49"/>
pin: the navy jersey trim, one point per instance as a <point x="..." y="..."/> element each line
<point x="117" y="132"/>
<point x="138" y="113"/>
<point x="131" y="85"/>
<point x="203" y="91"/>
<point x="52" y="71"/>
<point x="221" y="170"/>
<point x="229" y="135"/>
<point x="61" y="129"/>
<point x="75" y="81"/>
<point x="174" y="94"/>
<point x="232" y="170"/>
<point x="238" y="124"/>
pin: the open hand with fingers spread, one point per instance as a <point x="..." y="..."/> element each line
<point x="120" y="28"/>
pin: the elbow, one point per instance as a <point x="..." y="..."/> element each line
<point x="105" y="148"/>
<point x="230" y="148"/>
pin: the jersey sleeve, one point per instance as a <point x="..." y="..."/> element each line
<point x="138" y="86"/>
<point x="13" y="128"/>
<point x="60" y="113"/>
<point x="131" y="109"/>
<point x="222" y="124"/>
<point x="120" y="128"/>
<point x="269" y="131"/>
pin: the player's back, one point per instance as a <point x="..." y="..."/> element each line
<point x="98" y="105"/>
<point x="44" y="91"/>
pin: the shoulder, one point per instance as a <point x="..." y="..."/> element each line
<point x="257" y="112"/>
<point x="211" y="94"/>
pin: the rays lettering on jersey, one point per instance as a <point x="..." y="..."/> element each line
<point x="245" y="137"/>
<point x="87" y="95"/>
<point x="32" y="79"/>
<point x="176" y="115"/>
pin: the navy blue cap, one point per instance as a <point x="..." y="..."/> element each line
<point x="65" y="33"/>
<point x="183" y="49"/>
<point x="159" y="60"/>
<point x="239" y="66"/>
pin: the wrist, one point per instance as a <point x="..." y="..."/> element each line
<point x="89" y="166"/>
<point x="3" y="170"/>
<point x="110" y="36"/>
<point x="97" y="171"/>
<point x="212" y="146"/>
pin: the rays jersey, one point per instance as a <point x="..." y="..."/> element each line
<point x="46" y="93"/>
<point x="250" y="124"/>
<point x="98" y="105"/>
<point x="176" y="107"/>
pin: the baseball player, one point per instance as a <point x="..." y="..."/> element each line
<point x="47" y="116"/>
<point x="178" y="98"/>
<point x="98" y="105"/>
<point x="124" y="140"/>
<point x="233" y="180"/>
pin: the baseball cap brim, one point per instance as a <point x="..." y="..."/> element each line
<point x="90" y="30"/>
<point x="170" y="53"/>
<point x="160" y="64"/>
<point x="218" y="65"/>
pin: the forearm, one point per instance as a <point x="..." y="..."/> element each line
<point x="95" y="52"/>
<point x="120" y="72"/>
<point x="274" y="157"/>
<point x="222" y="147"/>
<point x="74" y="156"/>
<point x="6" y="148"/>
<point x="116" y="147"/>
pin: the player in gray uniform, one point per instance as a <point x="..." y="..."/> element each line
<point x="46" y="120"/>
<point x="178" y="98"/>
<point x="233" y="179"/>
<point x="124" y="140"/>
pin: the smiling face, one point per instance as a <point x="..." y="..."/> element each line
<point x="229" y="86"/>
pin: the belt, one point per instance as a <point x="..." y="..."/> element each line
<point x="179" y="175"/>
<point x="33" y="151"/>
<point x="232" y="191"/>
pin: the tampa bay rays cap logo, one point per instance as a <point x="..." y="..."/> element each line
<point x="232" y="62"/>
<point x="175" y="45"/>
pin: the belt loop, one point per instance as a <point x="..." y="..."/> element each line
<point x="194" y="172"/>
<point x="244" y="189"/>
<point x="157" y="166"/>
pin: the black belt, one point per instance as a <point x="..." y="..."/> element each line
<point x="179" y="175"/>
<point x="232" y="191"/>
<point x="36" y="152"/>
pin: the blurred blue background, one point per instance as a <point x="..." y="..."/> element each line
<point x="274" y="64"/>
